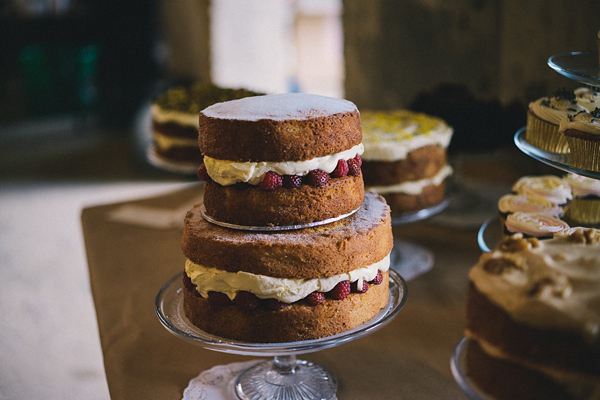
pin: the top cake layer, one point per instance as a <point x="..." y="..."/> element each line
<point x="281" y="127"/>
<point x="550" y="284"/>
<point x="391" y="136"/>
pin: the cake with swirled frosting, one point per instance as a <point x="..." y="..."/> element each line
<point x="405" y="158"/>
<point x="284" y="159"/>
<point x="533" y="318"/>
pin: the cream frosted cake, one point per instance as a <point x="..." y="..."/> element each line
<point x="405" y="158"/>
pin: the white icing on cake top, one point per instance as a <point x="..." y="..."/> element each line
<point x="588" y="98"/>
<point x="287" y="290"/>
<point x="534" y="224"/>
<point x="549" y="187"/>
<point x="554" y="109"/>
<point x="293" y="106"/>
<point x="552" y="284"/>
<point x="510" y="203"/>
<point x="162" y="116"/>
<point x="583" y="122"/>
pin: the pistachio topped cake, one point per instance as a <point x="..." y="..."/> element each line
<point x="175" y="119"/>
<point x="405" y="158"/>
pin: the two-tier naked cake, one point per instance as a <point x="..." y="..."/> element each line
<point x="276" y="161"/>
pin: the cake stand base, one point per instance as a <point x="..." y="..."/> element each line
<point x="286" y="378"/>
<point x="410" y="260"/>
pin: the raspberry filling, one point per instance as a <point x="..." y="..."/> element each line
<point x="316" y="177"/>
<point x="246" y="301"/>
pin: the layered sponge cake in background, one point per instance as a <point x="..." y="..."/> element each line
<point x="291" y="285"/>
<point x="533" y="318"/>
<point x="175" y="121"/>
<point x="284" y="159"/>
<point x="405" y="158"/>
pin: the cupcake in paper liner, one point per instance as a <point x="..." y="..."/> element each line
<point x="584" y="209"/>
<point x="582" y="131"/>
<point x="538" y="225"/>
<point x="550" y="187"/>
<point x="543" y="119"/>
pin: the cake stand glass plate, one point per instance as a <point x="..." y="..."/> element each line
<point x="458" y="366"/>
<point x="556" y="160"/>
<point x="285" y="377"/>
<point x="280" y="228"/>
<point x="179" y="168"/>
<point x="415" y="216"/>
<point x="581" y="66"/>
<point x="490" y="234"/>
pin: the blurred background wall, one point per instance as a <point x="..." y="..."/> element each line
<point x="474" y="62"/>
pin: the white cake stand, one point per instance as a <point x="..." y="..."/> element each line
<point x="284" y="377"/>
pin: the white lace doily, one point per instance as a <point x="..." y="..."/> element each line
<point x="217" y="383"/>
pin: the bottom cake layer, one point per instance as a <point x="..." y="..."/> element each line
<point x="402" y="202"/>
<point x="298" y="321"/>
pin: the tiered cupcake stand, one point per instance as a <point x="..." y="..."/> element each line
<point x="582" y="67"/>
<point x="284" y="377"/>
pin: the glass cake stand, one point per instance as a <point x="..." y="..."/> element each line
<point x="489" y="234"/>
<point x="284" y="377"/>
<point x="581" y="66"/>
<point x="458" y="366"/>
<point x="407" y="258"/>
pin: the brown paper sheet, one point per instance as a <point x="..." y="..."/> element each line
<point x="407" y="359"/>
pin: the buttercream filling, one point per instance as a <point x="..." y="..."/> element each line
<point x="162" y="116"/>
<point x="583" y="122"/>
<point x="554" y="109"/>
<point x="391" y="136"/>
<point x="550" y="187"/>
<point x="414" y="187"/>
<point x="166" y="142"/>
<point x="231" y="172"/>
<point x="287" y="290"/>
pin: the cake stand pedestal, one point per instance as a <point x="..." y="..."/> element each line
<point x="407" y="258"/>
<point x="284" y="377"/>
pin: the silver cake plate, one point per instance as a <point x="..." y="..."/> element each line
<point x="274" y="228"/>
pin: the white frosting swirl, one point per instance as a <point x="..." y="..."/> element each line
<point x="549" y="187"/>
<point x="287" y="290"/>
<point x="583" y="122"/>
<point x="587" y="98"/>
<point x="534" y="224"/>
<point x="554" y="109"/>
<point x="231" y="172"/>
<point x="582" y="186"/>
<point x="511" y="203"/>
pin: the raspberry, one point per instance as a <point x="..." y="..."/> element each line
<point x="246" y="301"/>
<point x="356" y="289"/>
<point x="275" y="305"/>
<point x="358" y="160"/>
<point x="271" y="181"/>
<point x="218" y="300"/>
<point x="202" y="174"/>
<point x="378" y="279"/>
<point x="340" y="170"/>
<point x="340" y="291"/>
<point x="292" y="181"/>
<point x="315" y="298"/>
<point x="318" y="178"/>
<point x="353" y="167"/>
<point x="187" y="282"/>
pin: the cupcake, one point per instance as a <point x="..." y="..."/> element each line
<point x="538" y="225"/>
<point x="524" y="202"/>
<point x="582" y="132"/>
<point x="543" y="120"/>
<point x="584" y="209"/>
<point x="550" y="187"/>
<point x="588" y="98"/>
